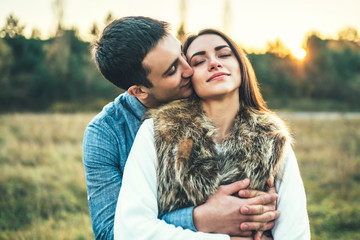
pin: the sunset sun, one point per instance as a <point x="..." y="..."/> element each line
<point x="299" y="53"/>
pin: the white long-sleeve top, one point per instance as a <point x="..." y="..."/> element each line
<point x="136" y="214"/>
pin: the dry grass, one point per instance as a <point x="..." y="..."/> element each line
<point x="42" y="178"/>
<point x="328" y="153"/>
<point x="44" y="192"/>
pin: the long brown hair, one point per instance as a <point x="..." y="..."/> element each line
<point x="250" y="95"/>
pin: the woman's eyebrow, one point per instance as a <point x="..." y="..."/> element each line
<point x="197" y="53"/>
<point x="221" y="47"/>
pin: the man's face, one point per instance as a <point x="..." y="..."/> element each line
<point x="169" y="72"/>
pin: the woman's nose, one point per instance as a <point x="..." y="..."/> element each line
<point x="214" y="64"/>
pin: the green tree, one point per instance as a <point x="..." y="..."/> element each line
<point x="68" y="74"/>
<point x="109" y="18"/>
<point x="35" y="33"/>
<point x="277" y="48"/>
<point x="277" y="78"/>
<point x="333" y="70"/>
<point x="181" y="32"/>
<point x="94" y="31"/>
<point x="6" y="60"/>
<point x="59" y="12"/>
<point x="12" y="27"/>
<point x="349" y="34"/>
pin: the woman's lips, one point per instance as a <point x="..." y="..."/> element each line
<point x="217" y="76"/>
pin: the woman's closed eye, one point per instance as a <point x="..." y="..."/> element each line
<point x="225" y="55"/>
<point x="198" y="62"/>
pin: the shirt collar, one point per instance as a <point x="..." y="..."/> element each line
<point x="136" y="106"/>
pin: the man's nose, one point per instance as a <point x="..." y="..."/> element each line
<point x="187" y="70"/>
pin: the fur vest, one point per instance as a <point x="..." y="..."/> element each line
<point x="190" y="167"/>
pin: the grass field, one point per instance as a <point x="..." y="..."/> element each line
<point x="43" y="191"/>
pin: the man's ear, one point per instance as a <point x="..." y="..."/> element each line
<point x="138" y="91"/>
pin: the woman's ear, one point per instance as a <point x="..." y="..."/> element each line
<point x="138" y="91"/>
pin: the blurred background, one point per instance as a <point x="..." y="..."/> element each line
<point x="306" y="55"/>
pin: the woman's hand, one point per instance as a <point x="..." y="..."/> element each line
<point x="261" y="212"/>
<point x="263" y="237"/>
<point x="241" y="238"/>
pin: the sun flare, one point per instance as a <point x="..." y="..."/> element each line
<point x="299" y="53"/>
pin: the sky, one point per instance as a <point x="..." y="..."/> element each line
<point x="252" y="23"/>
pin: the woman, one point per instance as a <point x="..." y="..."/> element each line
<point x="223" y="134"/>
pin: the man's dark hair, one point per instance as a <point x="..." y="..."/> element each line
<point x="122" y="47"/>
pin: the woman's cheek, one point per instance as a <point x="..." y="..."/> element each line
<point x="195" y="80"/>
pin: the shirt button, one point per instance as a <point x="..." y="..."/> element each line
<point x="89" y="197"/>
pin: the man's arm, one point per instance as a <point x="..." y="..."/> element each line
<point x="103" y="178"/>
<point x="180" y="218"/>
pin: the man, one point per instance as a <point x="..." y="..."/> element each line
<point x="129" y="56"/>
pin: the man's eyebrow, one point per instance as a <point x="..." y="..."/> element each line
<point x="169" y="69"/>
<point x="203" y="52"/>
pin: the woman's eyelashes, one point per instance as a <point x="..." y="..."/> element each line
<point x="199" y="61"/>
<point x="225" y="55"/>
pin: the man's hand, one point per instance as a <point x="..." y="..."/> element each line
<point x="224" y="213"/>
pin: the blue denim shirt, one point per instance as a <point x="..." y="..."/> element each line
<point x="107" y="142"/>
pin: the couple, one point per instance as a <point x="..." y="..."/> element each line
<point x="189" y="155"/>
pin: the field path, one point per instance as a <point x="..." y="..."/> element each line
<point x="320" y="115"/>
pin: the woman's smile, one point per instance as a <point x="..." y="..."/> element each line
<point x="218" y="76"/>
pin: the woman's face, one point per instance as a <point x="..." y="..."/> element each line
<point x="216" y="69"/>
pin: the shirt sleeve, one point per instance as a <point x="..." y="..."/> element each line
<point x="136" y="214"/>
<point x="103" y="177"/>
<point x="182" y="217"/>
<point x="293" y="222"/>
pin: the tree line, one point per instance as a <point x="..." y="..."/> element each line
<point x="328" y="78"/>
<point x="58" y="74"/>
